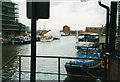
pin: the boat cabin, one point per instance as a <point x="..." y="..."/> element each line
<point x="88" y="37"/>
<point x="88" y="52"/>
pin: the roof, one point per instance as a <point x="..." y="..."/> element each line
<point x="95" y="27"/>
<point x="86" y="33"/>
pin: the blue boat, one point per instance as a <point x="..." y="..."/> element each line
<point x="17" y="40"/>
<point x="21" y="40"/>
<point x="86" y="67"/>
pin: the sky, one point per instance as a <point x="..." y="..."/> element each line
<point x="74" y="13"/>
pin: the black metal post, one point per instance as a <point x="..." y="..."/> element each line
<point x="33" y="44"/>
<point x="58" y="69"/>
<point x="113" y="25"/>
<point x="19" y="68"/>
<point x="107" y="29"/>
<point x="105" y="68"/>
<point x="113" y="22"/>
<point x="107" y="24"/>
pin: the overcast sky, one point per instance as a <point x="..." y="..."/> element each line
<point x="77" y="15"/>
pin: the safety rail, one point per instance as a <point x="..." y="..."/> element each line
<point x="58" y="57"/>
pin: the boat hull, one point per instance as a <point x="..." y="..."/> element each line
<point x="44" y="40"/>
<point x="26" y="42"/>
<point x="16" y="42"/>
<point x="84" y="71"/>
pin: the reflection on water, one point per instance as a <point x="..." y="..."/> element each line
<point x="63" y="47"/>
<point x="9" y="70"/>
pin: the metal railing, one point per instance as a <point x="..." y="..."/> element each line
<point x="57" y="57"/>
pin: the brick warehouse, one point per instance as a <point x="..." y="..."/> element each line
<point x="66" y="30"/>
<point x="94" y="29"/>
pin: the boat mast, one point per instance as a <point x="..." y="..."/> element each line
<point x="77" y="37"/>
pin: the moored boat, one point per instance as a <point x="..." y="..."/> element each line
<point x="46" y="39"/>
<point x="88" y="37"/>
<point x="55" y="33"/>
<point x="38" y="37"/>
<point x="84" y="66"/>
<point x="16" y="40"/>
<point x="26" y="39"/>
<point x="3" y="40"/>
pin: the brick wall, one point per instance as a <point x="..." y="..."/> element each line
<point x="94" y="29"/>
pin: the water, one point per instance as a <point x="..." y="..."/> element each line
<point x="63" y="47"/>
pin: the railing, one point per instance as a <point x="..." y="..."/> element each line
<point x="57" y="57"/>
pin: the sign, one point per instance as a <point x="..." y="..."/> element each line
<point x="42" y="9"/>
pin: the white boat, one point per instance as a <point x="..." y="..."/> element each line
<point x="46" y="39"/>
<point x="63" y="34"/>
<point x="56" y="34"/>
<point x="26" y="39"/>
